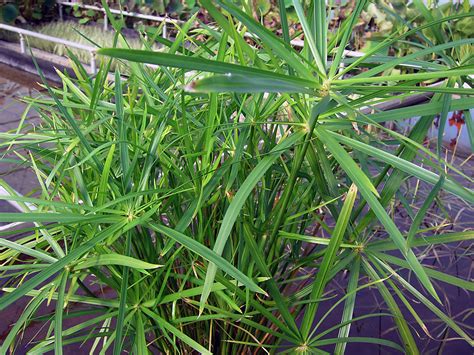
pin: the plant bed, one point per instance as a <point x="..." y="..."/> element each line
<point x="237" y="199"/>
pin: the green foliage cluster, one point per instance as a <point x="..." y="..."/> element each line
<point x="35" y="11"/>
<point x="398" y="17"/>
<point x="183" y="206"/>
<point x="84" y="34"/>
<point x="172" y="7"/>
<point x="27" y="10"/>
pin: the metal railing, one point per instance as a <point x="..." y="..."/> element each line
<point x="165" y="20"/>
<point x="27" y="33"/>
<point x="92" y="50"/>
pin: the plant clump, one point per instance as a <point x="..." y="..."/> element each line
<point x="246" y="215"/>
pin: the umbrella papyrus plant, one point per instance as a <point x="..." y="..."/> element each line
<point x="212" y="201"/>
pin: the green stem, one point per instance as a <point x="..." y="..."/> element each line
<point x="284" y="21"/>
<point x="284" y="27"/>
<point x="288" y="192"/>
<point x="123" y="302"/>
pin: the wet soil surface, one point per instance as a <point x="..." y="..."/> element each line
<point x="14" y="85"/>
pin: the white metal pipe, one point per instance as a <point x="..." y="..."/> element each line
<point x="8" y="227"/>
<point x="165" y="31"/>
<point x="46" y="37"/>
<point x="106" y="21"/>
<point x="93" y="63"/>
<point x="22" y="44"/>
<point x="61" y="13"/>
<point x="296" y="42"/>
<point x="124" y="13"/>
<point x="15" y="204"/>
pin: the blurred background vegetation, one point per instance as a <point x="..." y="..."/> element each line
<point x="380" y="18"/>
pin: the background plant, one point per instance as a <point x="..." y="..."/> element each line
<point x="197" y="202"/>
<point x="27" y="10"/>
<point x="80" y="34"/>
<point x="172" y="7"/>
<point x="398" y="17"/>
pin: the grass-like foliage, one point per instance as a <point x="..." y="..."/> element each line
<point x="78" y="33"/>
<point x="182" y="206"/>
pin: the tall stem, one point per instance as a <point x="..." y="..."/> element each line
<point x="287" y="193"/>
